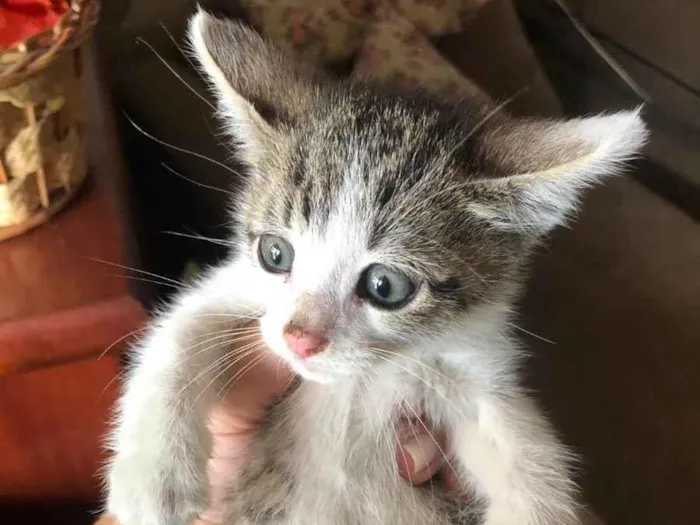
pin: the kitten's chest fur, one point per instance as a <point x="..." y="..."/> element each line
<point x="327" y="455"/>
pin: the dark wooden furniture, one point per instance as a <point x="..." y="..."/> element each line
<point x="63" y="314"/>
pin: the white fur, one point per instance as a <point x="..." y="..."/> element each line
<point x="499" y="441"/>
<point x="160" y="442"/>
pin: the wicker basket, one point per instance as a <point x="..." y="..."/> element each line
<point x="42" y="146"/>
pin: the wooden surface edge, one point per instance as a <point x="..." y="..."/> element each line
<point x="69" y="335"/>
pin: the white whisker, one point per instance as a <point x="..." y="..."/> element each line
<point x="251" y="317"/>
<point x="603" y="53"/>
<point x="178" y="148"/>
<point x="512" y="325"/>
<point x="432" y="437"/>
<point x="219" y="359"/>
<point x="143" y="272"/>
<point x="413" y="431"/>
<point x="117" y="377"/>
<point x="497" y="109"/>
<point x="386" y="432"/>
<point x="224" y="370"/>
<point x="238" y="375"/>
<point x="239" y="354"/>
<point x="175" y="73"/>
<point x="411" y="372"/>
<point x="416" y="361"/>
<point x="220" y="242"/>
<point x="211" y="366"/>
<point x="196" y="183"/>
<point x="144" y="280"/>
<point x="231" y="337"/>
<point x="133" y="332"/>
<point x="177" y="46"/>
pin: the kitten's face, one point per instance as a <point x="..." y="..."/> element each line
<point x="375" y="223"/>
<point x="362" y="234"/>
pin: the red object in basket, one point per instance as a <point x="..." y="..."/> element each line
<point x="21" y="19"/>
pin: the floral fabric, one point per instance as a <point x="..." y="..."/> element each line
<point x="396" y="51"/>
<point x="437" y="17"/>
<point x="325" y="30"/>
<point x="334" y="30"/>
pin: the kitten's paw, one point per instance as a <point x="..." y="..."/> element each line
<point x="141" y="493"/>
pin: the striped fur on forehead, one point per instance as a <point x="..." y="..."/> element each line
<point x="379" y="147"/>
<point x="396" y="165"/>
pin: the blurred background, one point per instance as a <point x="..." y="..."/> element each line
<point x="104" y="210"/>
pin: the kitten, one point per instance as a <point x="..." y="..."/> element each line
<point x="381" y="243"/>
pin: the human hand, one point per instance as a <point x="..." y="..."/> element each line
<point x="234" y="423"/>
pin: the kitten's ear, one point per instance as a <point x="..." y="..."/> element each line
<point x="258" y="85"/>
<point x="552" y="163"/>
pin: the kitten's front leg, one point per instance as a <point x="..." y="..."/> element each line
<point x="510" y="452"/>
<point x="161" y="443"/>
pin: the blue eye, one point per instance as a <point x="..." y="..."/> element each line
<point x="276" y="255"/>
<point x="386" y="288"/>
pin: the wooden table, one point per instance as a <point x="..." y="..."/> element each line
<point x="60" y="309"/>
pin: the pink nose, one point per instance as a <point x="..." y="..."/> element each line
<point x="303" y="343"/>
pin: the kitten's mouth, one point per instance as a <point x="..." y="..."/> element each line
<point x="311" y="370"/>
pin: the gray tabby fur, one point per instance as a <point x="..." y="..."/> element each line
<point x="455" y="196"/>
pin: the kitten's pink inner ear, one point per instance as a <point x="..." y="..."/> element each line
<point x="304" y="343"/>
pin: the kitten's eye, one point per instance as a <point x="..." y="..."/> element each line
<point x="276" y="255"/>
<point x="385" y="288"/>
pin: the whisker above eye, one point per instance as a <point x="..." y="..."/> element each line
<point x="196" y="183"/>
<point x="178" y="148"/>
<point x="172" y="69"/>
<point x="220" y="242"/>
<point x="178" y="46"/>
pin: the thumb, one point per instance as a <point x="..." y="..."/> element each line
<point x="420" y="454"/>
